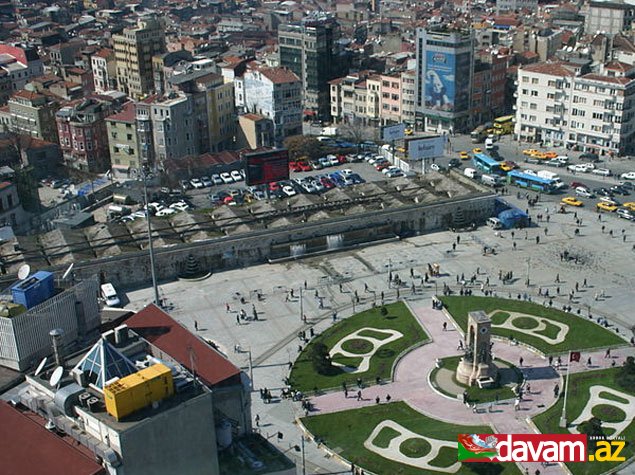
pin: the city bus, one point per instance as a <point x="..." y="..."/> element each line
<point x="504" y="125"/>
<point x="487" y="164"/>
<point x="480" y="133"/>
<point x="532" y="182"/>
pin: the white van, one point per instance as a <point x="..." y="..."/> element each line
<point x="494" y="223"/>
<point x="109" y="294"/>
<point x="489" y="144"/>
<point x="470" y="173"/>
<point x="490" y="180"/>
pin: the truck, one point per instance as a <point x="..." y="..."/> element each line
<point x="554" y="177"/>
<point x="491" y="180"/>
<point x="329" y="131"/>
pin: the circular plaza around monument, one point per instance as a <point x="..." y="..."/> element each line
<point x="372" y="376"/>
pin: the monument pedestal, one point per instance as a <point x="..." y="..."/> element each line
<point x="477" y="363"/>
<point x="469" y="373"/>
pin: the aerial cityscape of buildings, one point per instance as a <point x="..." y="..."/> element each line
<point x="213" y="215"/>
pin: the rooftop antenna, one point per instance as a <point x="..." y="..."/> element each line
<point x="40" y="367"/>
<point x="56" y="377"/>
<point x="24" y="271"/>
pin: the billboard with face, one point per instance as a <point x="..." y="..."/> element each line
<point x="440" y="81"/>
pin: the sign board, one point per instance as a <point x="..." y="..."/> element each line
<point x="393" y="132"/>
<point x="266" y="167"/>
<point x="426" y="148"/>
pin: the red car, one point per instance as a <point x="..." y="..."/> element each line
<point x="295" y="167"/>
<point x="274" y="186"/>
<point x="304" y="166"/>
<point x="577" y="184"/>
<point x="341" y="158"/>
<point x="327" y="183"/>
<point x="380" y="166"/>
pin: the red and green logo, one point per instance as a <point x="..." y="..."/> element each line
<point x="473" y="446"/>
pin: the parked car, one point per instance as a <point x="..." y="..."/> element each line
<point x="626" y="214"/>
<point x="571" y="201"/>
<point x="236" y="176"/>
<point x="216" y="179"/>
<point x="197" y="184"/>
<point x="186" y="185"/>
<point x="289" y="190"/>
<point x="584" y="192"/>
<point x="601" y="206"/>
<point x="165" y="212"/>
<point x="207" y="182"/>
<point x="590" y="156"/>
<point x="454" y="163"/>
<point x="227" y="178"/>
<point x="628" y="176"/>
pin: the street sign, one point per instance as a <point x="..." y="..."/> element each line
<point x="390" y="133"/>
<point x="426" y="148"/>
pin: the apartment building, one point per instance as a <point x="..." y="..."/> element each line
<point x="609" y="17"/>
<point x="488" y="85"/>
<point x="134" y="49"/>
<point x="310" y="49"/>
<point x="104" y="66"/>
<point x="21" y="64"/>
<point x="11" y="210"/>
<point x="275" y="93"/>
<point x="83" y="135"/>
<point x="31" y="113"/>
<point x="173" y="132"/>
<point x="593" y="112"/>
<point x="122" y="141"/>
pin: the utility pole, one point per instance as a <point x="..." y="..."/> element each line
<point x="157" y="301"/>
<point x="301" y="304"/>
<point x="303" y="457"/>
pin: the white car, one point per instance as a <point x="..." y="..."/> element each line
<point x="227" y="178"/>
<point x="165" y="212"/>
<point x="288" y="190"/>
<point x="529" y="171"/>
<point x="628" y="176"/>
<point x="216" y="179"/>
<point x="180" y="206"/>
<point x="390" y="169"/>
<point x="207" y="182"/>
<point x="601" y="171"/>
<point x="609" y="200"/>
<point x="125" y="219"/>
<point x="346" y="172"/>
<point x="435" y="167"/>
<point x="139" y="214"/>
<point x="626" y="214"/>
<point x="589" y="165"/>
<point x="562" y="158"/>
<point x="235" y="174"/>
<point x="584" y="192"/>
<point x="578" y="168"/>
<point x="196" y="183"/>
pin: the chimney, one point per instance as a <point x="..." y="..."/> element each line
<point x="56" y="337"/>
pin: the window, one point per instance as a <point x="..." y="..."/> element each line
<point x="525" y="78"/>
<point x="534" y="93"/>
<point x="533" y="106"/>
<point x="597" y="115"/>
<point x="534" y="80"/>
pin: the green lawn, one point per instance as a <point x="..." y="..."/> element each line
<point x="476" y="394"/>
<point x="345" y="433"/>
<point x="579" y="384"/>
<point x="399" y="318"/>
<point x="583" y="334"/>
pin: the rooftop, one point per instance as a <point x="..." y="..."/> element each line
<point x="551" y="69"/>
<point x="279" y="75"/>
<point x="127" y="114"/>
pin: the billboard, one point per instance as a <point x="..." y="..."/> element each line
<point x="266" y="167"/>
<point x="426" y="148"/>
<point x="440" y="81"/>
<point x="390" y="133"/>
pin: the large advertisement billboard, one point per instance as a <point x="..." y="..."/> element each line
<point x="266" y="167"/>
<point x="440" y="81"/>
<point x="390" y="133"/>
<point x="426" y="148"/>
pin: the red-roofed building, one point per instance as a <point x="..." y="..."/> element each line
<point x="29" y="448"/>
<point x="230" y="387"/>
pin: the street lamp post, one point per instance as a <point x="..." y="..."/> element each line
<point x="389" y="272"/>
<point x="157" y="302"/>
<point x="301" y="304"/>
<point x="303" y="456"/>
<point x="528" y="264"/>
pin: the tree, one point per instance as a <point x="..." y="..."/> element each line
<point x="320" y="358"/>
<point x="300" y="146"/>
<point x="593" y="429"/>
<point x="384" y="311"/>
<point x="625" y="377"/>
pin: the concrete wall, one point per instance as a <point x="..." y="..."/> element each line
<point x="133" y="269"/>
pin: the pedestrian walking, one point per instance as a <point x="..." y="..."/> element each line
<point x="237" y="319"/>
<point x="514" y="245"/>
<point x="528" y="389"/>
<point x="556" y="390"/>
<point x="577" y="287"/>
<point x="611" y="232"/>
<point x="588" y="362"/>
<point x="445" y="326"/>
<point x="227" y="308"/>
<point x="377" y="400"/>
<point x="195" y="325"/>
<point x="412" y="272"/>
<point x="365" y="287"/>
<point x="546" y="231"/>
<point x="359" y="395"/>
<point x="388" y="397"/>
<point x="557" y="278"/>
<point x="305" y="285"/>
<point x="454" y="246"/>
<point x="257" y="420"/>
<point x="521" y="360"/>
<point x="608" y="353"/>
<point x="458" y="239"/>
<point x="603" y="228"/>
<point x="537" y="239"/>
<point x="460" y="347"/>
<point x="550" y="360"/>
<point x="341" y="289"/>
<point x="517" y="404"/>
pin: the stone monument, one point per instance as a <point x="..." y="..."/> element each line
<point x="476" y="366"/>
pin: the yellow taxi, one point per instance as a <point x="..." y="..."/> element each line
<point x="506" y="167"/>
<point x="601" y="206"/>
<point x="530" y="152"/>
<point x="630" y="205"/>
<point x="477" y="150"/>
<point x="550" y="155"/>
<point x="401" y="149"/>
<point x="464" y="155"/>
<point x="571" y="201"/>
<point x="540" y="156"/>
<point x="409" y="131"/>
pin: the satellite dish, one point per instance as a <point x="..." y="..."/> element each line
<point x="68" y="271"/>
<point x="24" y="271"/>
<point x="40" y="367"/>
<point x="56" y="376"/>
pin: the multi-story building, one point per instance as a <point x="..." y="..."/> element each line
<point x="134" y="49"/>
<point x="408" y="96"/>
<point x="21" y="63"/>
<point x="122" y="140"/>
<point x="390" y="98"/>
<point x="254" y="131"/>
<point x="145" y="139"/>
<point x="609" y="17"/>
<point x="213" y="108"/>
<point x="104" y="68"/>
<point x="83" y="136"/>
<point x="488" y="85"/>
<point x="35" y="307"/>
<point x="11" y="210"/>
<point x="275" y="93"/>
<point x="356" y="98"/>
<point x="31" y="113"/>
<point x="515" y="5"/>
<point x="64" y="53"/>
<point x="445" y="67"/>
<point x="173" y="128"/>
<point x="310" y="49"/>
<point x="560" y="105"/>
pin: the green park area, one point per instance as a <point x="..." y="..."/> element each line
<point x="611" y="407"/>
<point x="404" y="434"/>
<point x="381" y="335"/>
<point x="548" y="330"/>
